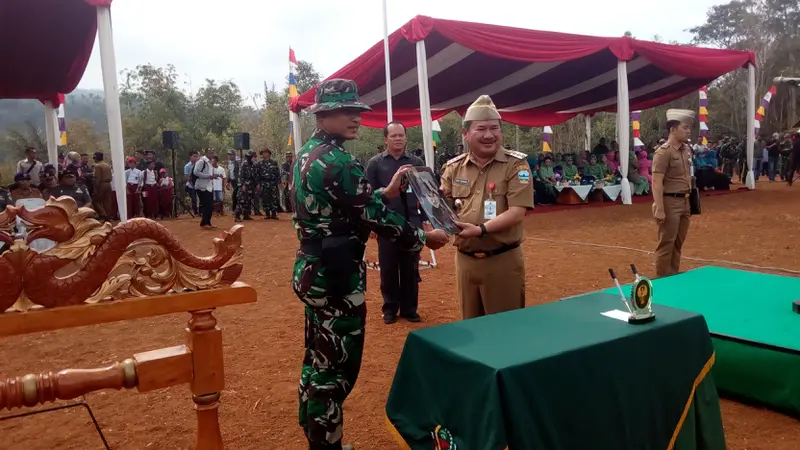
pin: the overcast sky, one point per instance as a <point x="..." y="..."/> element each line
<point x="248" y="41"/>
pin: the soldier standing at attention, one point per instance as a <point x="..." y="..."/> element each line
<point x="335" y="210"/>
<point x="269" y="175"/>
<point x="233" y="178"/>
<point x="248" y="174"/>
<point x="491" y="188"/>
<point x="286" y="181"/>
<point x="672" y="184"/>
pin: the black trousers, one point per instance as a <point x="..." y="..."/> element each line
<point x="206" y="200"/>
<point x="399" y="279"/>
<point x="235" y="194"/>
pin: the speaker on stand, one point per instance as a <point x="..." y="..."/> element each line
<point x="169" y="139"/>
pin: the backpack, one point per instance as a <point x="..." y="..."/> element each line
<point x="195" y="177"/>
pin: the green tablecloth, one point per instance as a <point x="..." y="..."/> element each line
<point x="559" y="376"/>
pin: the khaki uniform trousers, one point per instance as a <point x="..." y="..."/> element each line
<point x="671" y="235"/>
<point x="490" y="285"/>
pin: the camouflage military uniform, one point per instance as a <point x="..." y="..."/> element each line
<point x="269" y="175"/>
<point x="248" y="174"/>
<point x="333" y="221"/>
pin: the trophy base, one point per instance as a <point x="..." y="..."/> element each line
<point x="638" y="320"/>
<point x="796" y="306"/>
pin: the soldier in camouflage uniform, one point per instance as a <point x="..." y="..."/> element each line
<point x="269" y="176"/>
<point x="335" y="210"/>
<point x="248" y="183"/>
<point x="286" y="181"/>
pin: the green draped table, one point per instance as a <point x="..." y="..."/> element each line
<point x="558" y="376"/>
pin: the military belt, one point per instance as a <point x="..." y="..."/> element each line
<point x="488" y="253"/>
<point x="676" y="194"/>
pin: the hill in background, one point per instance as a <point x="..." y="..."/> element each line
<point x="82" y="104"/>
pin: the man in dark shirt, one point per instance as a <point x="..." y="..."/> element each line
<point x="68" y="187"/>
<point x="399" y="268"/>
<point x="794" y="162"/>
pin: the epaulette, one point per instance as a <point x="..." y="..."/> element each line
<point x="456" y="159"/>
<point x="516" y="154"/>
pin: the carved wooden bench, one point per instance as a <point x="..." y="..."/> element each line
<point x="97" y="274"/>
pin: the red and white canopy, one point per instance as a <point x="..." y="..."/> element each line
<point x="536" y="78"/>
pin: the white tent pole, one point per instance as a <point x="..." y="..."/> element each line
<point x="296" y="132"/>
<point x="50" y="129"/>
<point x="623" y="129"/>
<point x="387" y="66"/>
<point x="113" y="113"/>
<point x="425" y="103"/>
<point x="751" y="124"/>
<point x="588" y="140"/>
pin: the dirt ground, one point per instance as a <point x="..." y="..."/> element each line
<point x="263" y="342"/>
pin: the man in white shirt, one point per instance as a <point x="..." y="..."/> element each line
<point x="31" y="166"/>
<point x="187" y="179"/>
<point x="203" y="177"/>
<point x="133" y="187"/>
<point x="218" y="185"/>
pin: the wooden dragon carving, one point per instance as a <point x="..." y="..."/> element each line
<point x="92" y="262"/>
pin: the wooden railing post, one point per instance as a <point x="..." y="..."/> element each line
<point x="205" y="342"/>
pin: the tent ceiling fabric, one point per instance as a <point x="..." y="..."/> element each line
<point x="536" y="78"/>
<point x="45" y="46"/>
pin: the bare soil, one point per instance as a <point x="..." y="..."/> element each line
<point x="263" y="342"/>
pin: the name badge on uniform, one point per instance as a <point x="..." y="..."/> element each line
<point x="462" y="181"/>
<point x="490" y="206"/>
<point x="489" y="209"/>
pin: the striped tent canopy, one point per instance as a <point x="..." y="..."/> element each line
<point x="535" y="78"/>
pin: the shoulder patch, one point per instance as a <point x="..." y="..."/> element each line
<point x="516" y="154"/>
<point x="456" y="159"/>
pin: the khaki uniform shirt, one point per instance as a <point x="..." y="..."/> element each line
<point x="463" y="179"/>
<point x="675" y="164"/>
<point x="102" y="172"/>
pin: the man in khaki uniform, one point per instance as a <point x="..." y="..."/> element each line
<point x="491" y="189"/>
<point x="672" y="183"/>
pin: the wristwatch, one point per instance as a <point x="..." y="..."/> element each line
<point x="483" y="230"/>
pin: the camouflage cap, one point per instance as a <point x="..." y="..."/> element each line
<point x="250" y="153"/>
<point x="336" y="94"/>
<point x="231" y="152"/>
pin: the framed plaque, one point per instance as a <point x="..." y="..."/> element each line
<point x="424" y="185"/>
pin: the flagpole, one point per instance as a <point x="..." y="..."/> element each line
<point x="386" y="64"/>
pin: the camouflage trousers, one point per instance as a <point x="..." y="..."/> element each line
<point x="727" y="166"/>
<point x="286" y="194"/>
<point x="244" y="202"/>
<point x="334" y="345"/>
<point x="270" y="198"/>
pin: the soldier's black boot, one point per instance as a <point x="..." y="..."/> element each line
<point x="237" y="218"/>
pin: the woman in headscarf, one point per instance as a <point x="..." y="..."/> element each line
<point x="542" y="195"/>
<point x="548" y="177"/>
<point x="594" y="169"/>
<point x="604" y="164"/>
<point x="640" y="184"/>
<point x="569" y="169"/>
<point x="644" y="166"/>
<point x="583" y="160"/>
<point x="613" y="161"/>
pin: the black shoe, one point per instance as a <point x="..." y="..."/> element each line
<point x="248" y="218"/>
<point x="411" y="317"/>
<point x="389" y="319"/>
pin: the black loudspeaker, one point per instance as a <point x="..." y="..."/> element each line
<point x="241" y="141"/>
<point x="169" y="139"/>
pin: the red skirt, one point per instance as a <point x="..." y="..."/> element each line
<point x="150" y="197"/>
<point x="165" y="201"/>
